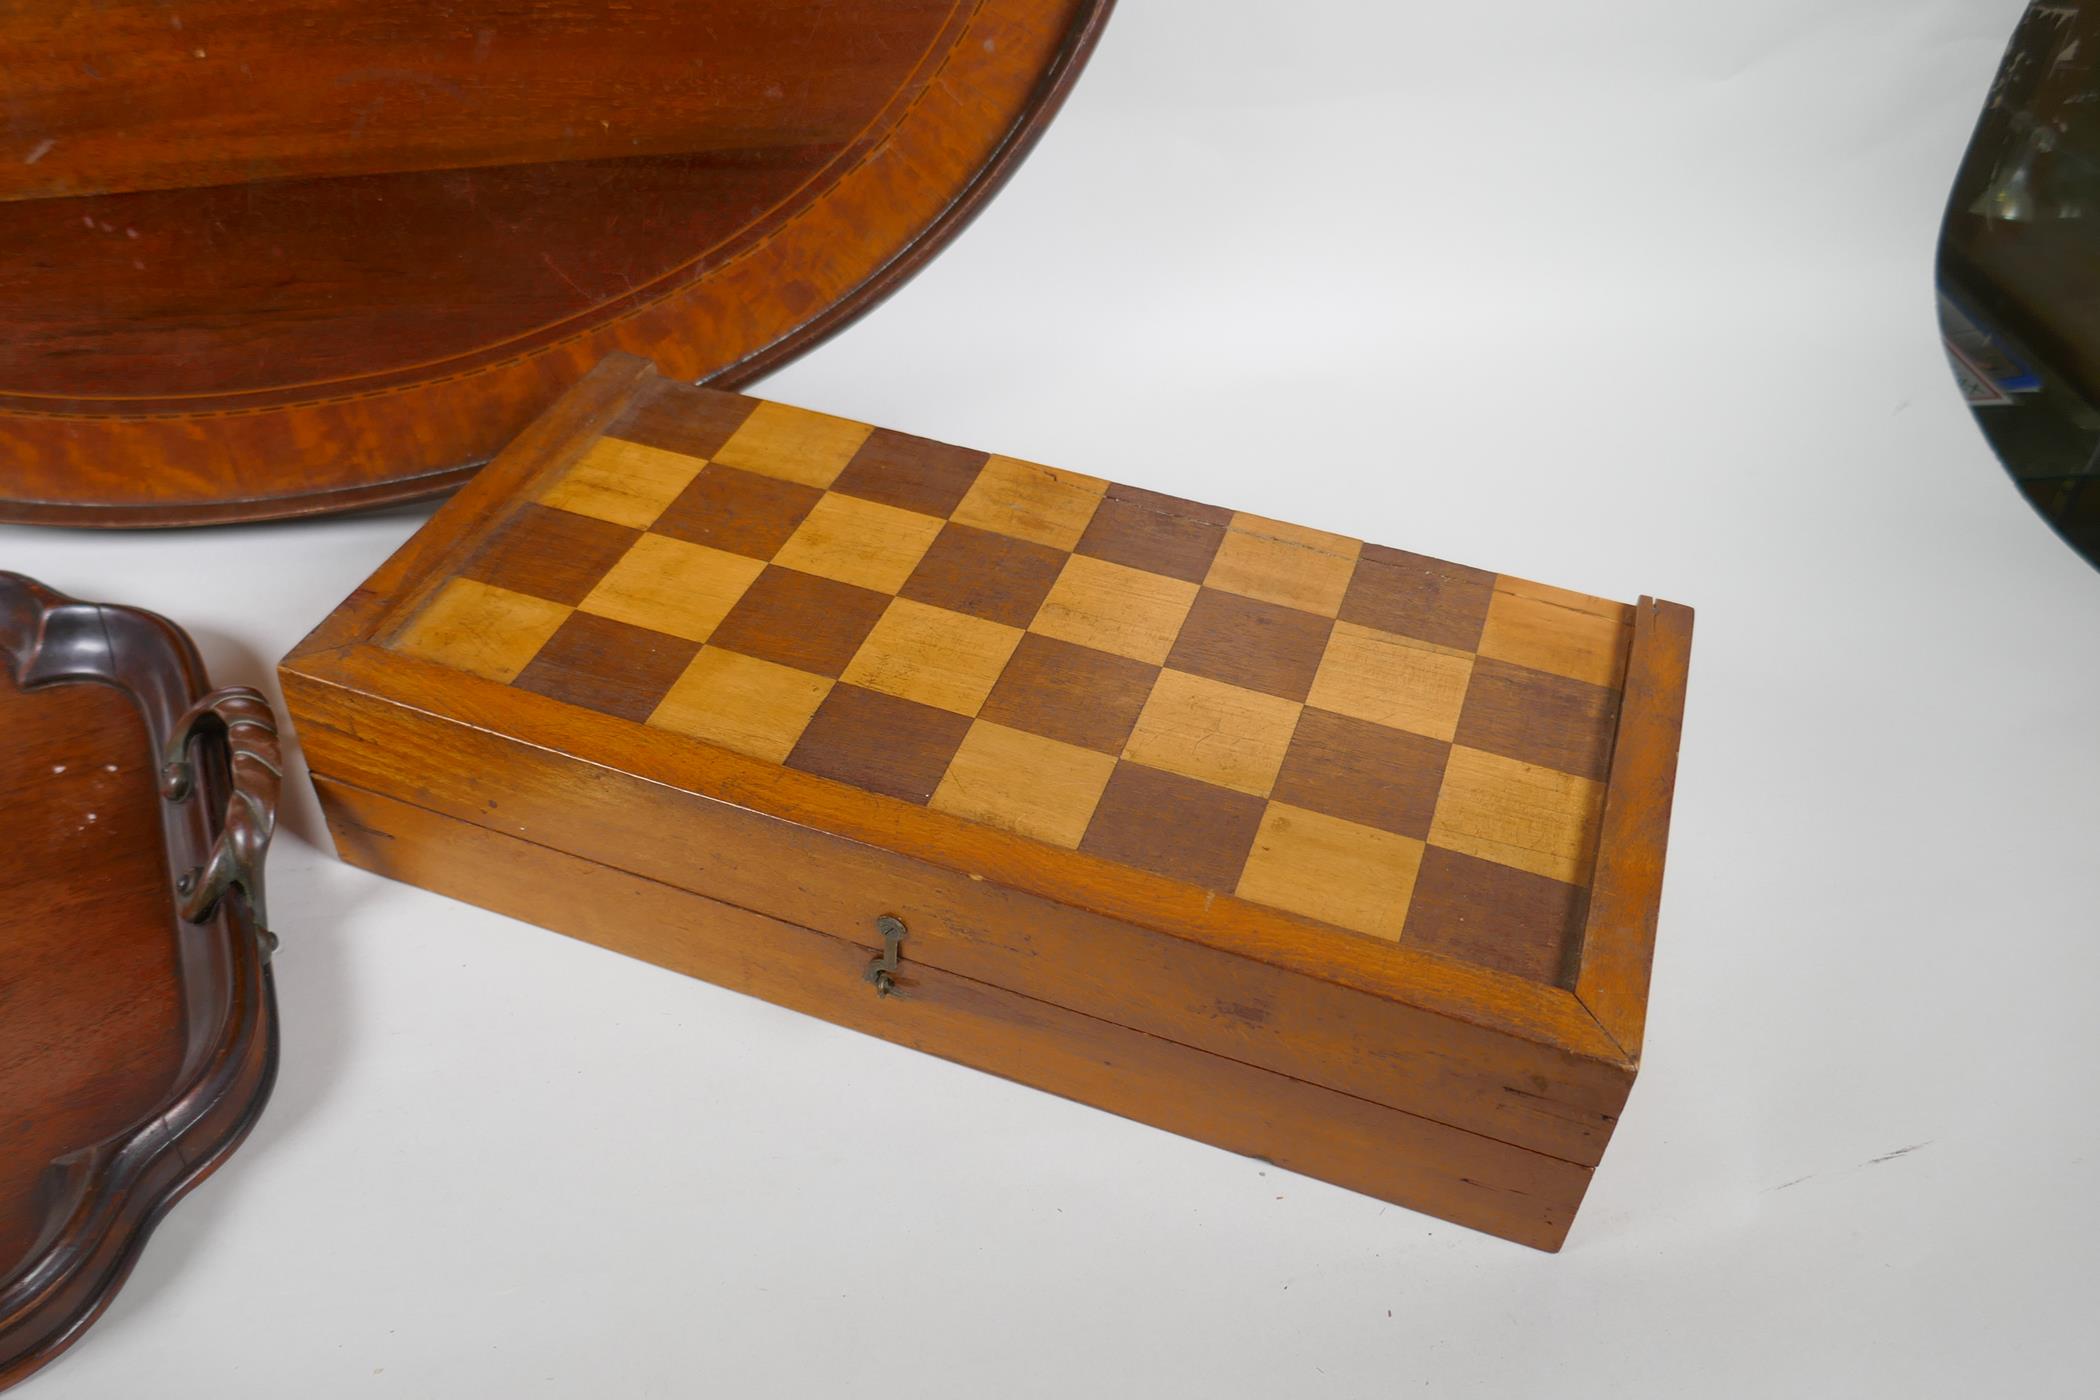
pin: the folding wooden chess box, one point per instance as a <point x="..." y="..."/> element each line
<point x="1320" y="851"/>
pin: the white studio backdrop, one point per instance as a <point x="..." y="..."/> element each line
<point x="1630" y="297"/>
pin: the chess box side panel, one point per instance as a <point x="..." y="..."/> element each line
<point x="510" y="762"/>
<point x="1410" y="1160"/>
<point x="1618" y="945"/>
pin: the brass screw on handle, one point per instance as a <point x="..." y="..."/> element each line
<point x="881" y="968"/>
<point x="243" y="721"/>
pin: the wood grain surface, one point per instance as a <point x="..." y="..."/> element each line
<point x="136" y="1048"/>
<point x="94" y="1034"/>
<point x="1400" y="1157"/>
<point x="1238" y="981"/>
<point x="272" y="262"/>
<point x="1102" y="778"/>
<point x="223" y="92"/>
<point x="1618" y="947"/>
<point x="915" y="618"/>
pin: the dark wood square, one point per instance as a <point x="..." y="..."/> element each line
<point x="878" y="743"/>
<point x="800" y="620"/>
<point x="1549" y="720"/>
<point x="738" y="511"/>
<point x="1246" y="642"/>
<point x="1363" y="772"/>
<point x="915" y="473"/>
<point x="1419" y="597"/>
<point x="693" y="421"/>
<point x="1064" y="691"/>
<point x="551" y="554"/>
<point x="986" y="575"/>
<point x="1174" y="826"/>
<point x="1159" y="534"/>
<point x="608" y="666"/>
<point x="1496" y="916"/>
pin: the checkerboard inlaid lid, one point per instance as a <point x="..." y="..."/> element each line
<point x="1364" y="739"/>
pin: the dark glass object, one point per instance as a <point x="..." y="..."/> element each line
<point x="2019" y="268"/>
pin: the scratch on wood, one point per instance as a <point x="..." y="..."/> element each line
<point x="548" y="259"/>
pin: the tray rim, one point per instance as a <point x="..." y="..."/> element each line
<point x="118" y="1190"/>
<point x="252" y="424"/>
<point x="1599" y="1019"/>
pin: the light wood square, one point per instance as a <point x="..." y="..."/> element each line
<point x="949" y="660"/>
<point x="1115" y="608"/>
<point x="671" y="586"/>
<point x="628" y="483"/>
<point x="739" y="702"/>
<point x="794" y="444"/>
<point x="1214" y="732"/>
<point x="862" y="542"/>
<point x="1518" y="814"/>
<point x="1303" y="535"/>
<point x="1017" y="498"/>
<point x="1025" y="783"/>
<point x="1392" y="680"/>
<point x="481" y="629"/>
<point x="1287" y="564"/>
<point x="1551" y="629"/>
<point x="1332" y="870"/>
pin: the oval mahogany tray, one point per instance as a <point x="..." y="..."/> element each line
<point x="138" y="1030"/>
<point x="281" y="261"/>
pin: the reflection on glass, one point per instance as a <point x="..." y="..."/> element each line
<point x="2019" y="267"/>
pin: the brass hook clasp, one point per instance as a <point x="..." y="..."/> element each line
<point x="882" y="968"/>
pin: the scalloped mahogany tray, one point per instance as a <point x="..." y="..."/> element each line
<point x="263" y="263"/>
<point x="138" y="1033"/>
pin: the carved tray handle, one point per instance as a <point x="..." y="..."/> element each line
<point x="236" y="859"/>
